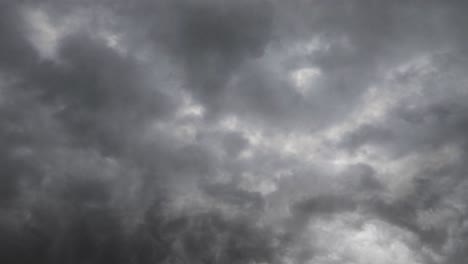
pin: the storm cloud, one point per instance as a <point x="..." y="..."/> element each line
<point x="253" y="131"/>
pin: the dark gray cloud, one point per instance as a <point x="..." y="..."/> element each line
<point x="233" y="131"/>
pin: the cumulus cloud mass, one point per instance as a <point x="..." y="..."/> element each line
<point x="233" y="132"/>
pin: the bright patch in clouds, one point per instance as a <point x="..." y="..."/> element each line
<point x="341" y="241"/>
<point x="304" y="78"/>
<point x="44" y="35"/>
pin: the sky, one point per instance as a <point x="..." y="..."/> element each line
<point x="233" y="132"/>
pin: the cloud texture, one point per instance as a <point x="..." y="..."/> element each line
<point x="252" y="131"/>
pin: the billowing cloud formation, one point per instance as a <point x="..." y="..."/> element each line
<point x="209" y="131"/>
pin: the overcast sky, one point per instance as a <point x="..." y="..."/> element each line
<point x="233" y="132"/>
